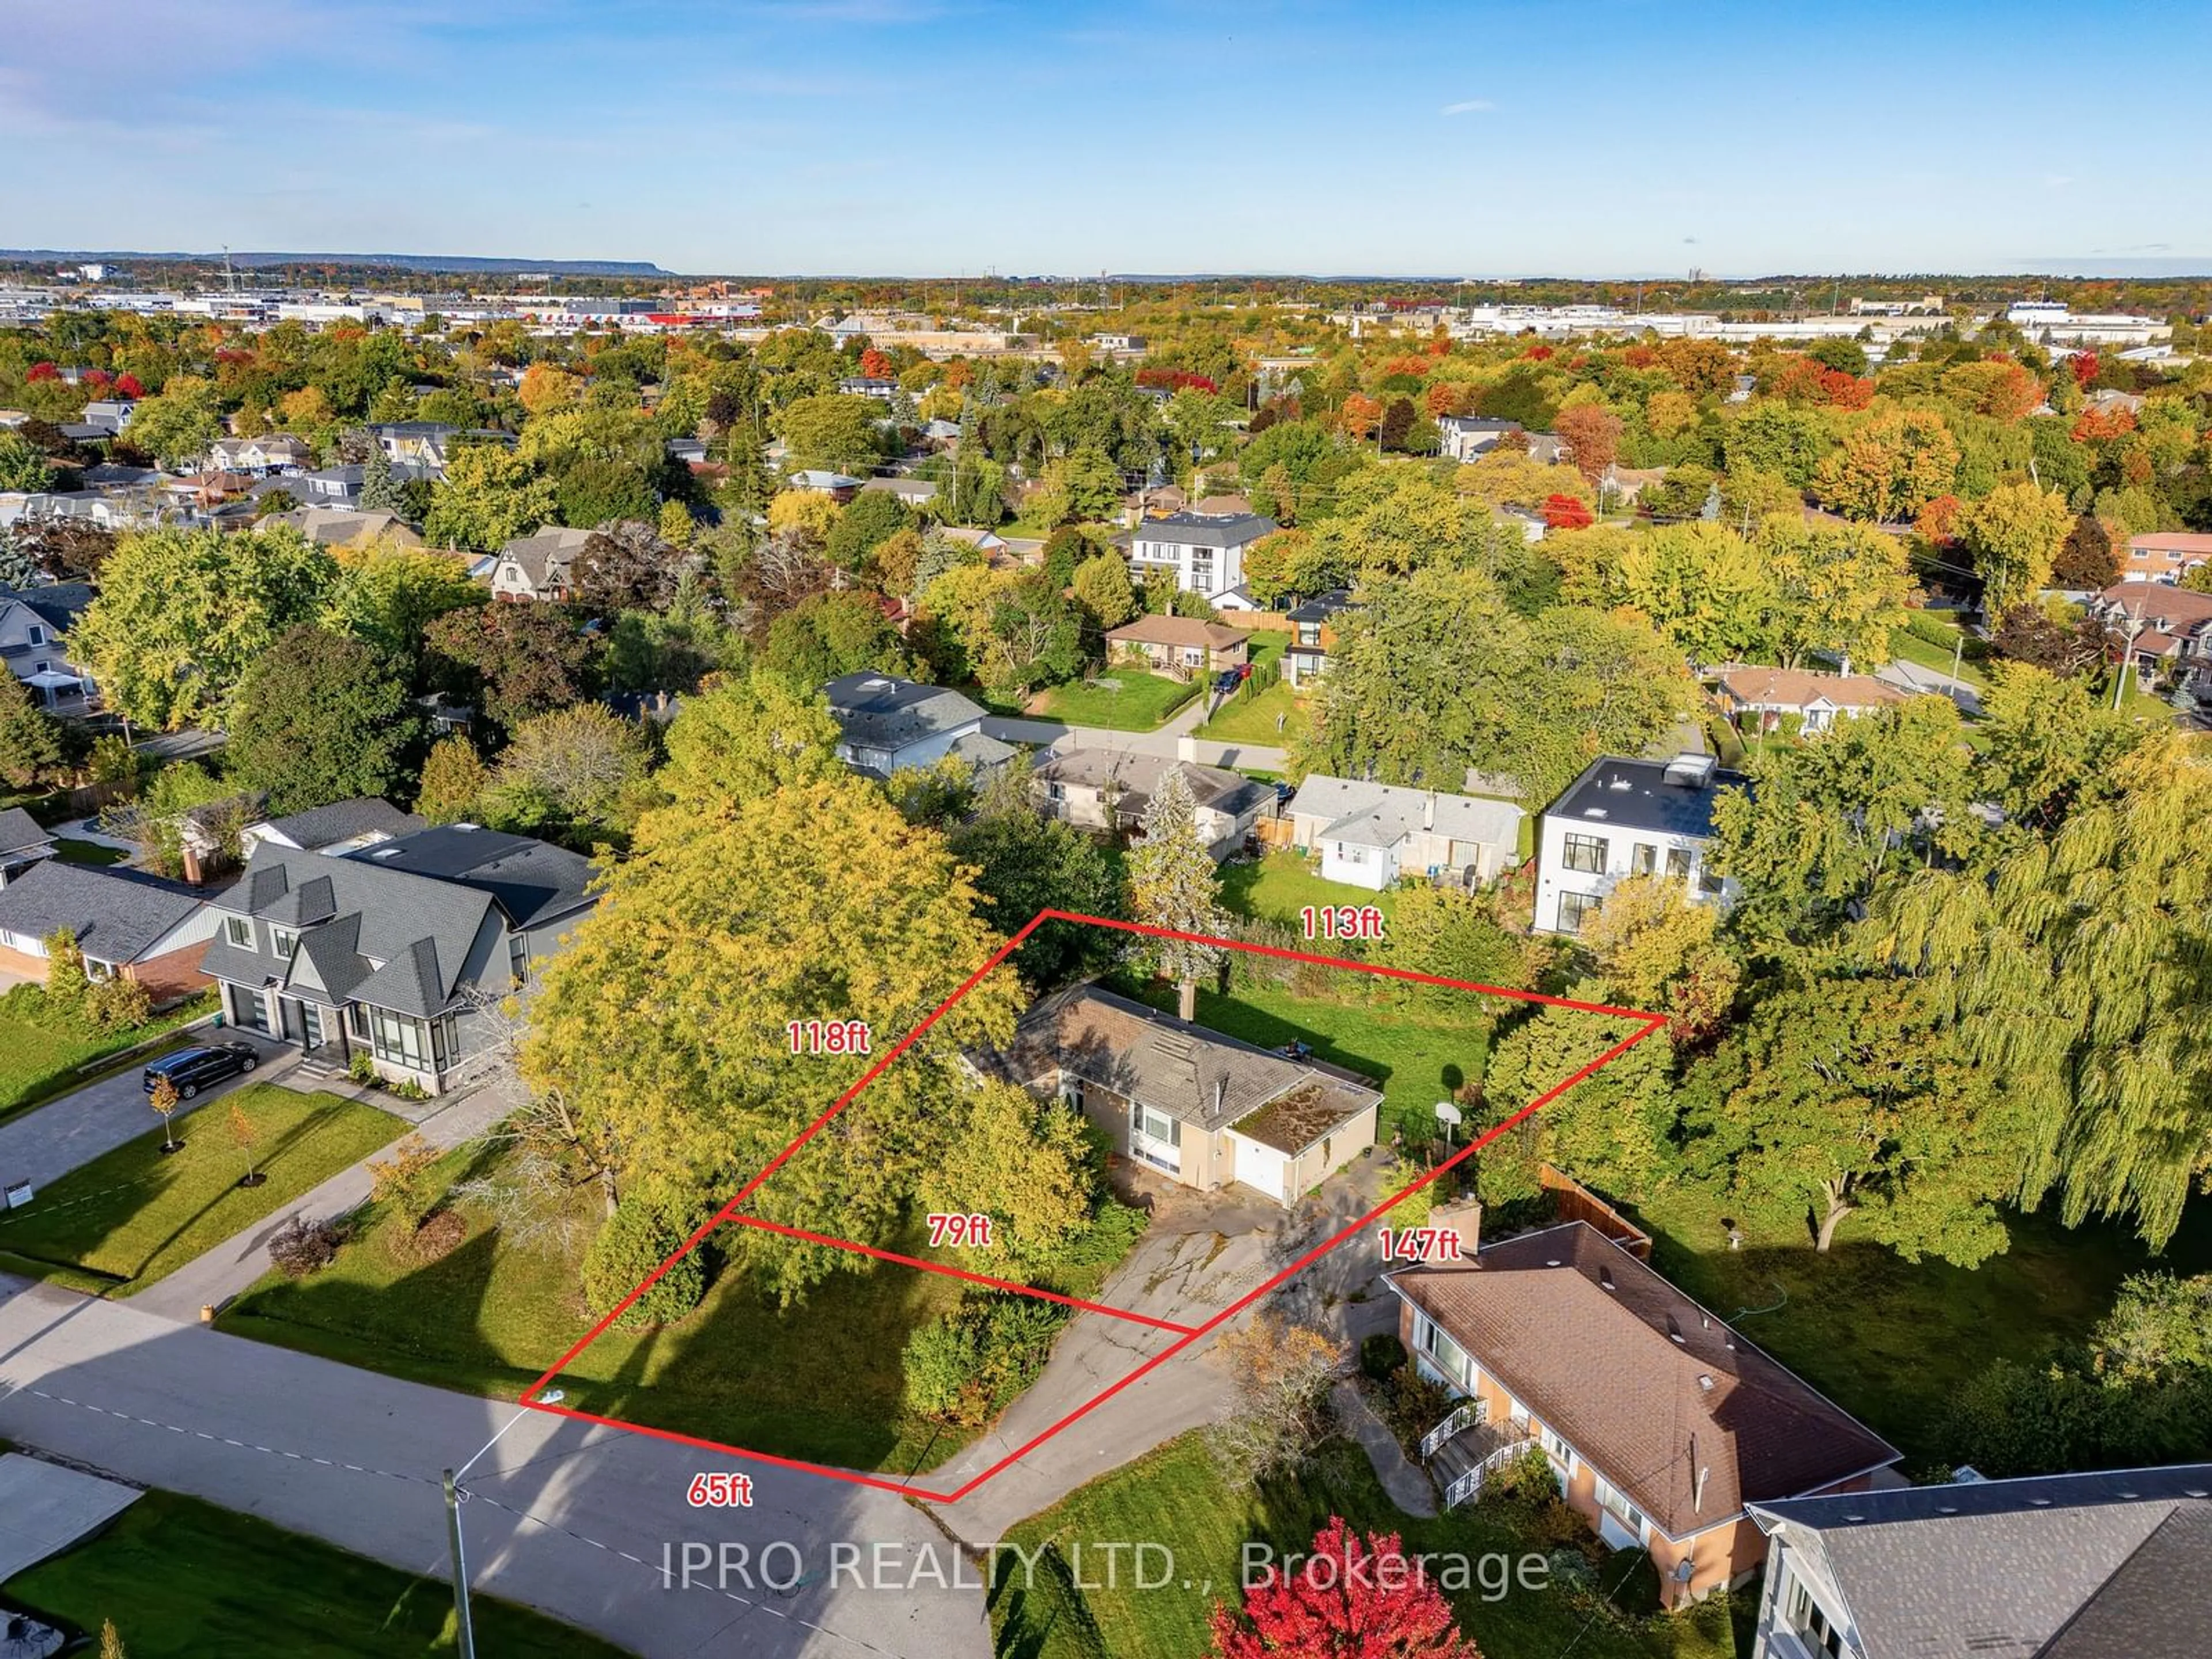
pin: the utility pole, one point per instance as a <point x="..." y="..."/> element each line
<point x="2130" y="627"/>
<point x="464" y="1630"/>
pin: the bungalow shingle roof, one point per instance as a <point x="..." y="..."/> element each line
<point x="881" y="711"/>
<point x="1666" y="1402"/>
<point x="1381" y="815"/>
<point x="1198" y="1076"/>
<point x="116" y="915"/>
<point x="1177" y="631"/>
<point x="342" y="820"/>
<point x="19" y="831"/>
<point x="1139" y="775"/>
<point x="2111" y="1564"/>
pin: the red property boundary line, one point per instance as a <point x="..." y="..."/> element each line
<point x="1647" y="1024"/>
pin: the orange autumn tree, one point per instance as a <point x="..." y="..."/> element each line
<point x="1359" y="415"/>
<point x="1349" y="1599"/>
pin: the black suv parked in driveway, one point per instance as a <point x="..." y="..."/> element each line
<point x="191" y="1070"/>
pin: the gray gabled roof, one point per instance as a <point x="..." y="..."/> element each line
<point x="2048" y="1566"/>
<point x="116" y="915"/>
<point x="532" y="881"/>
<point x="1382" y="815"/>
<point x="20" y="832"/>
<point x="881" y="711"/>
<point x="56" y="605"/>
<point x="342" y="820"/>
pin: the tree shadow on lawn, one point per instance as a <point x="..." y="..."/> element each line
<point x="265" y="1160"/>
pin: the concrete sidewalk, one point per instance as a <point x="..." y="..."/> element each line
<point x="230" y="1268"/>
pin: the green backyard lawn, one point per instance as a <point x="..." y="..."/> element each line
<point x="1419" y="1054"/>
<point x="1177" y="1497"/>
<point x="1893" y="1340"/>
<point x="1279" y="885"/>
<point x="41" y="1057"/>
<point x="70" y="851"/>
<point x="182" y="1579"/>
<point x="822" y="1380"/>
<point x="1126" y="699"/>
<point x="133" y="1215"/>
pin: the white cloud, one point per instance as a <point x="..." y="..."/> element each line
<point x="1467" y="106"/>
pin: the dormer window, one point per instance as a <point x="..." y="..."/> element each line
<point x="239" y="931"/>
<point x="281" y="939"/>
<point x="38" y="634"/>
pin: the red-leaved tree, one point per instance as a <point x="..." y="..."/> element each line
<point x="875" y="365"/>
<point x="1348" y="1600"/>
<point x="126" y="386"/>
<point x="2085" y="366"/>
<point x="1566" y="513"/>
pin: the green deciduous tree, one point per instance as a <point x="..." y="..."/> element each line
<point x="489" y="496"/>
<point x="1844" y="1095"/>
<point x="2014" y="533"/>
<point x="1889" y="465"/>
<point x="814" y="901"/>
<point x="573" y="772"/>
<point x="1102" y="588"/>
<point x="745" y="736"/>
<point x="30" y="738"/>
<point x="453" y="778"/>
<point x="182" y="614"/>
<point x="2079" y="973"/>
<point x="319" y="718"/>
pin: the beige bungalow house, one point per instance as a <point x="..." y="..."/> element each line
<point x="1761" y="697"/>
<point x="1106" y="789"/>
<point x="1183" y="645"/>
<point x="1205" y="1109"/>
<point x="1369" y="834"/>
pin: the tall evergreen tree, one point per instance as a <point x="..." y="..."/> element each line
<point x="380" y="491"/>
<point x="1174" y="884"/>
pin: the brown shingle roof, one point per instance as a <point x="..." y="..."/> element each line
<point x="1791" y="688"/>
<point x="1648" y="1387"/>
<point x="1178" y="630"/>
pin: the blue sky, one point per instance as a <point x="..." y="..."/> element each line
<point x="950" y="137"/>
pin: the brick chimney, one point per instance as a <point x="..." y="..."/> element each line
<point x="1464" y="1217"/>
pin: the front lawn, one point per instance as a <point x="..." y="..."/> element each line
<point x="182" y="1579"/>
<point x="42" y="1056"/>
<point x="1418" y="1053"/>
<point x="1913" y="649"/>
<point x="822" y="1380"/>
<point x="1073" y="1607"/>
<point x="1125" y="699"/>
<point x="1253" y="719"/>
<point x="1893" y="1340"/>
<point x="134" y="1214"/>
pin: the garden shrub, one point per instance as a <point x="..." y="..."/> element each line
<point x="975" y="1359"/>
<point x="635" y="1240"/>
<point x="115" y="1004"/>
<point x="301" y="1246"/>
<point x="1381" y="1355"/>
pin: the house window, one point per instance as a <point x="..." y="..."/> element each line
<point x="518" y="957"/>
<point x="1158" y="1126"/>
<point x="1573" y="907"/>
<point x="38" y="635"/>
<point x="1350" y="853"/>
<point x="239" y="931"/>
<point x="96" y="970"/>
<point x="1586" y="854"/>
<point x="1807" y="1619"/>
<point x="1555" y="1446"/>
<point x="358" y="1020"/>
<point x="1615" y="1503"/>
<point x="1678" y="864"/>
<point x="281" y="939"/>
<point x="1308" y="633"/>
<point x="1450" y="1357"/>
<point x="1709" y="882"/>
<point x="1642" y="859"/>
<point x="399" y="1039"/>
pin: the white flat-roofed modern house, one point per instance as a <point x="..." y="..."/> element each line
<point x="1204" y="552"/>
<point x="1628" y="817"/>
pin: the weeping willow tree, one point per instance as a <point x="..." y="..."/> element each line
<point x="2079" y="975"/>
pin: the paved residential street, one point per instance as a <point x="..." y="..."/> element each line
<point x="50" y="1140"/>
<point x="1051" y="734"/>
<point x="568" y="1517"/>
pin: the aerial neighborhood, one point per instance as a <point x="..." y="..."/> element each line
<point x="1454" y="916"/>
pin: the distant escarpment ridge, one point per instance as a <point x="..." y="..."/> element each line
<point x="432" y="262"/>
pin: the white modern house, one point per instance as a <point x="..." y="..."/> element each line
<point x="1204" y="552"/>
<point x="1368" y="835"/>
<point x="1468" y="437"/>
<point x="1628" y="817"/>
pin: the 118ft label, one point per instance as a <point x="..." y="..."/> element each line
<point x="829" y="1037"/>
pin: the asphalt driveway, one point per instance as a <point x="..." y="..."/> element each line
<point x="44" y="1144"/>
